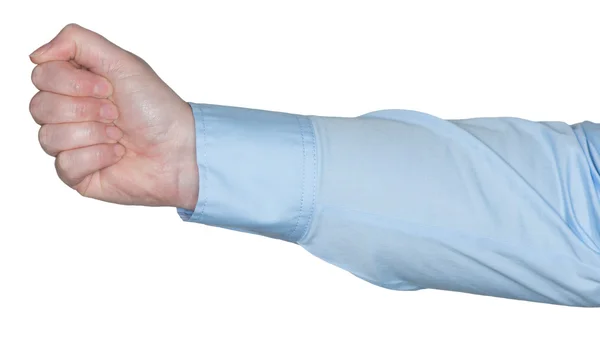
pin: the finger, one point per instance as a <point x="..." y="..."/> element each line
<point x="60" y="137"/>
<point x="86" y="48"/>
<point x="63" y="78"/>
<point x="49" y="108"/>
<point x="73" y="166"/>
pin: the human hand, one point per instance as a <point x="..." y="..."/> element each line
<point x="117" y="131"/>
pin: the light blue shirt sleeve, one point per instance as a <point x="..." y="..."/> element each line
<point x="501" y="207"/>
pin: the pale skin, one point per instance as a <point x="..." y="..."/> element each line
<point x="117" y="131"/>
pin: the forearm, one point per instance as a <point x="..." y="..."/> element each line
<point x="496" y="206"/>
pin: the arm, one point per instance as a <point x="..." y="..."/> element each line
<point x="500" y="206"/>
<point x="495" y="206"/>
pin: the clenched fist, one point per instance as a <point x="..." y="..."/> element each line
<point x="117" y="131"/>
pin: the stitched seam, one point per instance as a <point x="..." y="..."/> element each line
<point x="205" y="164"/>
<point x="303" y="179"/>
<point x="314" y="195"/>
<point x="314" y="171"/>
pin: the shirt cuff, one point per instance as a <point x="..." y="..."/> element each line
<point x="257" y="171"/>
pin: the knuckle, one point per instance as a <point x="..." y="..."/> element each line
<point x="43" y="136"/>
<point x="35" y="107"/>
<point x="142" y="61"/>
<point x="135" y="59"/>
<point x="36" y="74"/>
<point x="62" y="164"/>
<point x="45" y="139"/>
<point x="71" y="27"/>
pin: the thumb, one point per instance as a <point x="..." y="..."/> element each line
<point x="86" y="48"/>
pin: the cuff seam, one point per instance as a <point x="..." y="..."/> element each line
<point x="307" y="142"/>
<point x="303" y="179"/>
<point x="314" y="171"/>
<point x="203" y="168"/>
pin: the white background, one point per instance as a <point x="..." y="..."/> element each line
<point x="75" y="269"/>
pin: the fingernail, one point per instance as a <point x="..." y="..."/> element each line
<point x="114" y="133"/>
<point x="119" y="150"/>
<point x="108" y="112"/>
<point x="40" y="50"/>
<point x="102" y="89"/>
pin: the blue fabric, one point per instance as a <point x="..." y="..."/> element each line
<point x="501" y="207"/>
